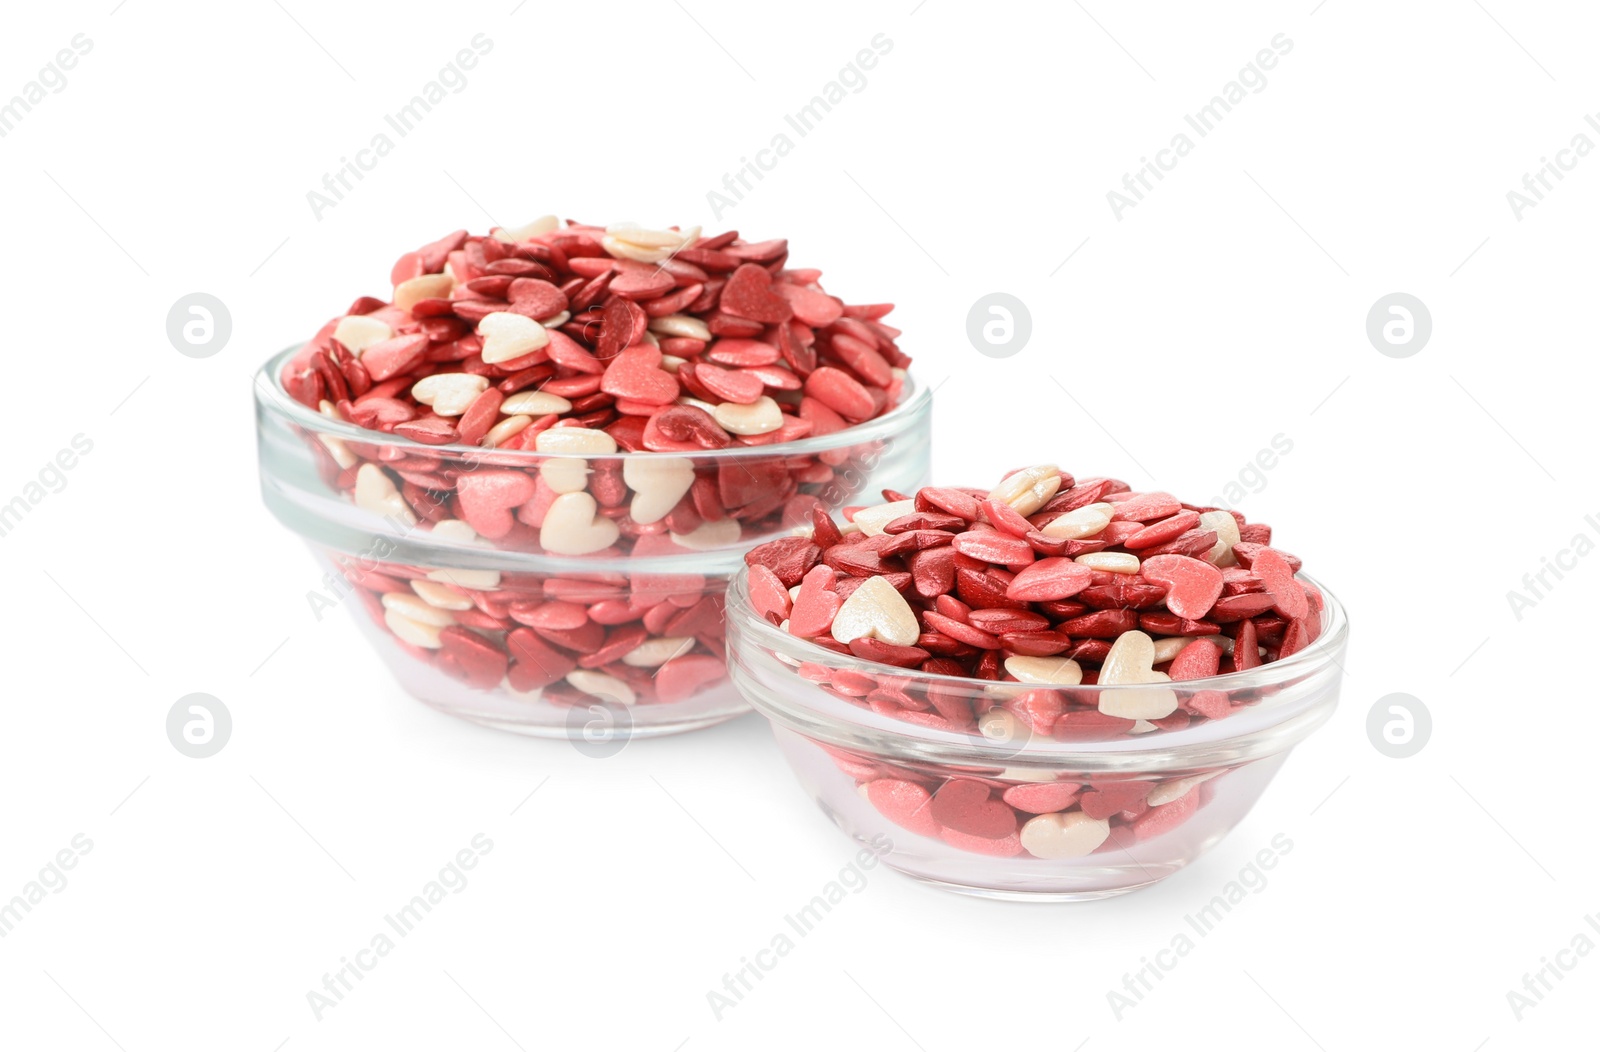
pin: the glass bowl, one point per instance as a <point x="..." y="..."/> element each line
<point x="975" y="801"/>
<point x="590" y="626"/>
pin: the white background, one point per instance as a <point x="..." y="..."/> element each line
<point x="1226" y="308"/>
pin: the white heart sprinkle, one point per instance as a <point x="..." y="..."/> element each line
<point x="1079" y="523"/>
<point x="358" y="332"/>
<point x="1028" y="490"/>
<point x="1072" y="834"/>
<point x="413" y="291"/>
<point x="449" y="394"/>
<point x="1129" y="663"/>
<point x="542" y="225"/>
<point x="658" y="484"/>
<point x="872" y="520"/>
<point x="572" y="527"/>
<point x="507" y="336"/>
<point x="758" y="418"/>
<point x="876" y="611"/>
<point x="414" y="632"/>
<point x="1227" y="529"/>
<point x="601" y="686"/>
<point x="413" y="607"/>
<point x="710" y="535"/>
<point x="1057" y="670"/>
<point x="376" y="493"/>
<point x="1111" y="562"/>
<point x="534" y="403"/>
<point x="658" y="651"/>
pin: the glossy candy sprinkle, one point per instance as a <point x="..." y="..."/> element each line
<point x="983" y="584"/>
<point x="660" y="340"/>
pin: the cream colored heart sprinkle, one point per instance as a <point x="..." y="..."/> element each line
<point x="505" y="430"/>
<point x="1167" y="792"/>
<point x="435" y="594"/>
<point x="645" y="237"/>
<point x="542" y="225"/>
<point x="658" y="484"/>
<point x="334" y="445"/>
<point x="1168" y="647"/>
<point x="506" y="336"/>
<point x="1057" y="670"/>
<point x="579" y="440"/>
<point x="413" y="291"/>
<point x="572" y="527"/>
<point x="1079" y="523"/>
<point x="1030" y="489"/>
<point x="1227" y="528"/>
<point x="375" y="492"/>
<point x="710" y="535"/>
<point x="1129" y="664"/>
<point x="602" y="687"/>
<point x="872" y="520"/>
<point x="681" y="325"/>
<point x="1072" y="834"/>
<point x="449" y="394"/>
<point x="1111" y="562"/>
<point x="358" y="332"/>
<point x="415" y="608"/>
<point x="483" y="580"/>
<point x="758" y="418"/>
<point x="455" y="531"/>
<point x="876" y="611"/>
<point x="416" y="633"/>
<point x="655" y="652"/>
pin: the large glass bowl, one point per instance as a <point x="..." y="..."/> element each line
<point x="499" y="629"/>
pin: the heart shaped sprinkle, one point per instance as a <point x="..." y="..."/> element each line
<point x="877" y="611"/>
<point x="449" y="394"/>
<point x="1192" y="585"/>
<point x="507" y="335"/>
<point x="636" y="374"/>
<point x="572" y="526"/>
<point x="1070" y="835"/>
<point x="1130" y="662"/>
<point x="489" y="497"/>
<point x="964" y="805"/>
<point x="906" y="804"/>
<point x="748" y="294"/>
<point x="816" y="604"/>
<point x="658" y="484"/>
<point x="758" y="418"/>
<point x="1028" y="490"/>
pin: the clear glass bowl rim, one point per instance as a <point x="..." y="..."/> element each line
<point x="276" y="399"/>
<point x="815" y="713"/>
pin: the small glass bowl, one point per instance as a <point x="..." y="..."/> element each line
<point x="500" y="630"/>
<point x="1109" y="810"/>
